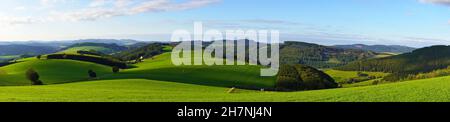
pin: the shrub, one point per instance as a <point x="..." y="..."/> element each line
<point x="33" y="76"/>
<point x="115" y="69"/>
<point x="92" y="74"/>
<point x="38" y="56"/>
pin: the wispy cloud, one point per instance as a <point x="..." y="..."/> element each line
<point x="100" y="9"/>
<point x="441" y="2"/>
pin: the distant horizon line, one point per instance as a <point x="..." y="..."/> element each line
<point x="138" y="40"/>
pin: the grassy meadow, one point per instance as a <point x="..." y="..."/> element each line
<point x="142" y="90"/>
<point x="158" y="80"/>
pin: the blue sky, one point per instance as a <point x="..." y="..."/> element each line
<point x="415" y="23"/>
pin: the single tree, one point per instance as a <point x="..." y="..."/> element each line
<point x="38" y="56"/>
<point x="33" y="76"/>
<point x="115" y="69"/>
<point x="92" y="74"/>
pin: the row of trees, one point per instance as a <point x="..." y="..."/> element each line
<point x="93" y="59"/>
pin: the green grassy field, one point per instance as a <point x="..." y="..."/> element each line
<point x="157" y="80"/>
<point x="141" y="90"/>
<point x="157" y="68"/>
<point x="161" y="68"/>
<point x="51" y="71"/>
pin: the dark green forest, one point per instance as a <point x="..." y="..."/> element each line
<point x="319" y="56"/>
<point x="419" y="61"/>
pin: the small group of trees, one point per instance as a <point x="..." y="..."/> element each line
<point x="92" y="74"/>
<point x="33" y="76"/>
<point x="300" y="77"/>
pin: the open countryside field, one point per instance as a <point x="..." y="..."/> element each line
<point x="140" y="90"/>
<point x="51" y="71"/>
<point x="156" y="79"/>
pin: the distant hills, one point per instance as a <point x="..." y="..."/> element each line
<point x="65" y="43"/>
<point x="379" y="48"/>
<point x="291" y="52"/>
<point x="97" y="47"/>
<point x="25" y="49"/>
<point x="319" y="56"/>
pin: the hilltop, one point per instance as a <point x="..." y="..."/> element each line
<point x="320" y="56"/>
<point x="97" y="47"/>
<point x="397" y="49"/>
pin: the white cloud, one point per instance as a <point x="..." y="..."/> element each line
<point x="442" y="2"/>
<point x="20" y="8"/>
<point x="99" y="9"/>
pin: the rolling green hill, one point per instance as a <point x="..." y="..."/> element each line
<point x="51" y="71"/>
<point x="98" y="47"/>
<point x="157" y="68"/>
<point x="140" y="90"/>
<point x="157" y="79"/>
<point x="161" y="68"/>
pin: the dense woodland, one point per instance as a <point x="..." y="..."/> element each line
<point x="319" y="56"/>
<point x="302" y="77"/>
<point x="419" y="61"/>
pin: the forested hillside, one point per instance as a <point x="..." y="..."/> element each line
<point x="320" y="56"/>
<point x="147" y="51"/>
<point x="421" y="60"/>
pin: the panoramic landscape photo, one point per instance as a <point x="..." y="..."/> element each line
<point x="224" y="51"/>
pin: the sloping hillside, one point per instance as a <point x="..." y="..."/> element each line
<point x="420" y="60"/>
<point x="161" y="68"/>
<point x="320" y="56"/>
<point x="51" y="71"/>
<point x="98" y="47"/>
<point x="140" y="90"/>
